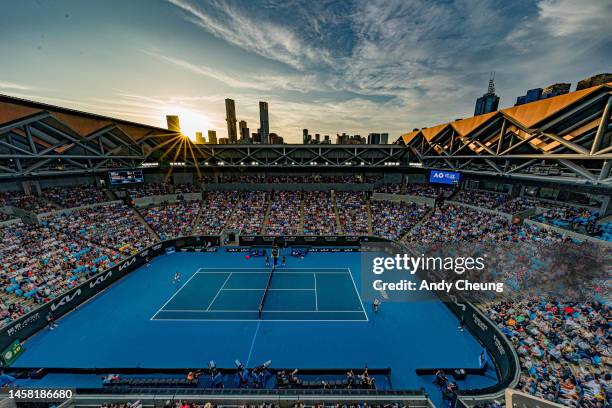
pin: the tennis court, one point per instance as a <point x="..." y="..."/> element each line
<point x="285" y="294"/>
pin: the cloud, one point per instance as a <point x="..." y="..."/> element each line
<point x="228" y="79"/>
<point x="355" y="65"/>
<point x="16" y="87"/>
<point x="258" y="81"/>
<point x="565" y="18"/>
<point x="271" y="40"/>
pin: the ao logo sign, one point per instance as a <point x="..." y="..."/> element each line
<point x="444" y="175"/>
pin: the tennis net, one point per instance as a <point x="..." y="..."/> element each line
<point x="265" y="294"/>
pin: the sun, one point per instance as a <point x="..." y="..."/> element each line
<point x="190" y="120"/>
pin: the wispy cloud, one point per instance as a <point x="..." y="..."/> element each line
<point x="260" y="81"/>
<point x="569" y="18"/>
<point x="13" y="86"/>
<point x="353" y="65"/>
<point x="264" y="37"/>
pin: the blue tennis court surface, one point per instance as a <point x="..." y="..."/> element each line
<point x="312" y="318"/>
<point x="292" y="294"/>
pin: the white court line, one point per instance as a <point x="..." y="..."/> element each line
<point x="344" y="271"/>
<point x="316" y="293"/>
<point x="280" y="273"/>
<point x="175" y="293"/>
<point x="358" y="295"/>
<point x="281" y="268"/>
<point x="219" y="291"/>
<point x="209" y="311"/>
<point x="268" y="321"/>
<point x="260" y="289"/>
<point x="267" y="311"/>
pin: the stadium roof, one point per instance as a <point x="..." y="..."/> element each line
<point x="41" y="139"/>
<point x="527" y="115"/>
<point x="565" y="129"/>
<point x="13" y="109"/>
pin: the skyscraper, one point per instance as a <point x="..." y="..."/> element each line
<point x="264" y="123"/>
<point x="594" y="80"/>
<point x="555" y="90"/>
<point x="242" y="125"/>
<point x="489" y="101"/>
<point x="305" y="136"/>
<point x="230" y="117"/>
<point x="532" y="95"/>
<point x="173" y="123"/>
<point x="199" y="138"/>
<point x="212" y="137"/>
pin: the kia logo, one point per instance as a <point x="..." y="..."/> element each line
<point x="66" y="299"/>
<point x="100" y="279"/>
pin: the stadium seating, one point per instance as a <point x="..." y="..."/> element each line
<point x="393" y="219"/>
<point x="69" y="197"/>
<point x="27" y="202"/>
<point x="112" y="225"/>
<point x="172" y="220"/>
<point x="563" y="346"/>
<point x="284" y="214"/>
<point x="353" y="212"/>
<point x="147" y="189"/>
<point x="217" y="207"/>
<point x="481" y="198"/>
<point x="319" y="214"/>
<point x="249" y="212"/>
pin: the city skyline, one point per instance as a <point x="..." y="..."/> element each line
<point x="334" y="67"/>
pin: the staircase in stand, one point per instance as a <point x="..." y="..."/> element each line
<point x="267" y="216"/>
<point x="300" y="230"/>
<point x="418" y="224"/>
<point x="335" y="204"/>
<point x="150" y="230"/>
<point x="196" y="220"/>
<point x="369" y="208"/>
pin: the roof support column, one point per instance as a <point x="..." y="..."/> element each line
<point x="502" y="132"/>
<point x="603" y="126"/>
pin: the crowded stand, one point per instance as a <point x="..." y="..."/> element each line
<point x="112" y="225"/>
<point x="6" y="217"/>
<point x="567" y="216"/>
<point x="69" y="197"/>
<point x="218" y="207"/>
<point x="249" y="212"/>
<point x="353" y="212"/>
<point x="392" y="219"/>
<point x="563" y="347"/>
<point x="185" y="188"/>
<point x="428" y="190"/>
<point x="172" y="220"/>
<point x="147" y="189"/>
<point x="39" y="262"/>
<point x="319" y="214"/>
<point x="520" y="204"/>
<point x="481" y="198"/>
<point x="289" y="179"/>
<point x="603" y="231"/>
<point x="28" y="202"/>
<point x="422" y="190"/>
<point x="455" y="223"/>
<point x="284" y="214"/>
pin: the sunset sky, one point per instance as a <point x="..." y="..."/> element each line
<point x="346" y="66"/>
